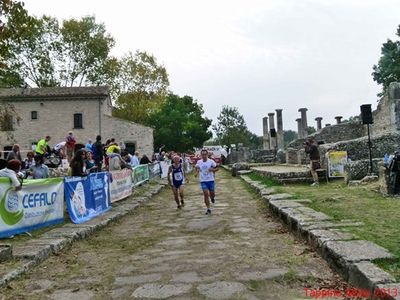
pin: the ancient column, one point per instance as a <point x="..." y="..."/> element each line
<point x="279" y="129"/>
<point x="304" y="121"/>
<point x="266" y="145"/>
<point x="272" y="140"/>
<point x="338" y="119"/>
<point x="299" y="129"/>
<point x="319" y="123"/>
<point x="327" y="125"/>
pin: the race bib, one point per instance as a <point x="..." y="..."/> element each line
<point x="178" y="176"/>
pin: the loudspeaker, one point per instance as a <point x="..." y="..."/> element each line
<point x="366" y="114"/>
<point x="272" y="132"/>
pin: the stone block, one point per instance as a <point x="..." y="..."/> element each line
<point x="267" y="191"/>
<point x="283" y="196"/>
<point x="387" y="291"/>
<point x="34" y="252"/>
<point x="366" y="275"/>
<point x="6" y="251"/>
<point x="318" y="237"/>
<point x="56" y="244"/>
<point x="68" y="232"/>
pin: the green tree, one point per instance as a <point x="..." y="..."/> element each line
<point x="231" y="127"/>
<point x="142" y="84"/>
<point x="179" y="124"/>
<point x="289" y="136"/>
<point x="388" y="68"/>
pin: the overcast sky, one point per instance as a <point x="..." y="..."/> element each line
<point x="257" y="55"/>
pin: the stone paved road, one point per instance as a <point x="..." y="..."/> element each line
<point x="239" y="252"/>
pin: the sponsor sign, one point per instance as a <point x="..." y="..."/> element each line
<point x="121" y="184"/>
<point x="38" y="204"/>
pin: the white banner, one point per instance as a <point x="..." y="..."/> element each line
<point x="38" y="204"/>
<point x="121" y="184"/>
<point x="164" y="168"/>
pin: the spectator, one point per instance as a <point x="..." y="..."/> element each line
<point x="312" y="150"/>
<point x="97" y="149"/>
<point x="59" y="149"/>
<point x="14" y="154"/>
<point x="161" y="156"/>
<point x="127" y="158"/>
<point x="70" y="145"/>
<point x="135" y="159"/>
<point x="116" y="160"/>
<point x="39" y="170"/>
<point x="145" y="160"/>
<point x="89" y="146"/>
<point x="122" y="146"/>
<point x="41" y="147"/>
<point x="29" y="161"/>
<point x="12" y="172"/>
<point x="90" y="163"/>
<point x="77" y="164"/>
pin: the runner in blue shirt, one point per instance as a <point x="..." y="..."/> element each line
<point x="176" y="177"/>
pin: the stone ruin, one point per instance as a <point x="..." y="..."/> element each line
<point x="351" y="136"/>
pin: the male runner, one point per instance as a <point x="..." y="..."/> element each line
<point x="207" y="167"/>
<point x="178" y="175"/>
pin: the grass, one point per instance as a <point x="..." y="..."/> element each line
<point x="378" y="213"/>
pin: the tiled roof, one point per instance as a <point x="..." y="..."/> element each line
<point x="70" y="92"/>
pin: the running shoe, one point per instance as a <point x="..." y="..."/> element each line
<point x="213" y="200"/>
<point x="179" y="207"/>
<point x="208" y="212"/>
<point x="316" y="183"/>
<point x="182" y="203"/>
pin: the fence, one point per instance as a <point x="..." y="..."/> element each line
<point x="40" y="202"/>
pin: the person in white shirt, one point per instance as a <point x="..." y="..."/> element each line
<point x="12" y="172"/>
<point x="207" y="167"/>
<point x="135" y="160"/>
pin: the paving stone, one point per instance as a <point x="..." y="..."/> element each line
<point x="68" y="232"/>
<point x="56" y="244"/>
<point x="5" y="252"/>
<point x="129" y="280"/>
<point x="267" y="191"/>
<point x="186" y="277"/>
<point x="175" y="242"/>
<point x="355" y="251"/>
<point x="161" y="291"/>
<point x="72" y="295"/>
<point x="318" y="237"/>
<point x="261" y="275"/>
<point x="39" y="286"/>
<point x="221" y="289"/>
<point x="34" y="252"/>
<point x="202" y="224"/>
<point x="217" y="246"/>
<point x="279" y="197"/>
<point x="367" y="275"/>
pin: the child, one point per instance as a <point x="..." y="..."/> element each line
<point x="178" y="175"/>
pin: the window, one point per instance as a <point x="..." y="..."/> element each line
<point x="34" y="115"/>
<point x="78" y="124"/>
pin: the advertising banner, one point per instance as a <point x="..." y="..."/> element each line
<point x="87" y="197"/>
<point x="121" y="184"/>
<point x="140" y="174"/>
<point x="154" y="170"/>
<point x="336" y="162"/>
<point x="39" y="203"/>
<point x="164" y="168"/>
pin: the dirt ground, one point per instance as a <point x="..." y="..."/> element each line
<point x="159" y="252"/>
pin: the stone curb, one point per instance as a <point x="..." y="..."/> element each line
<point x="56" y="240"/>
<point x="352" y="259"/>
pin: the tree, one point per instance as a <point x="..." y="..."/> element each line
<point x="231" y="127"/>
<point x="142" y="84"/>
<point x="388" y="68"/>
<point x="179" y="124"/>
<point x="288" y="136"/>
<point x="38" y="52"/>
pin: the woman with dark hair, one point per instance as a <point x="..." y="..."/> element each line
<point x="12" y="172"/>
<point x="145" y="160"/>
<point x="77" y="164"/>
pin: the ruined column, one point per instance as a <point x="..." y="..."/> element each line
<point x="272" y="140"/>
<point x="304" y="125"/>
<point x="338" y="119"/>
<point x="299" y="128"/>
<point x="266" y="145"/>
<point x="279" y="129"/>
<point x="319" y="123"/>
<point x="327" y="125"/>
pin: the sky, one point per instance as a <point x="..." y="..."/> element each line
<point x="257" y="55"/>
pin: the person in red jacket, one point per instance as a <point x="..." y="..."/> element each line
<point x="70" y="145"/>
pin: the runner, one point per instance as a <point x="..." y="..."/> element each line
<point x="178" y="175"/>
<point x="207" y="167"/>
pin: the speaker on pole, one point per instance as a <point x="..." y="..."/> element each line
<point x="366" y="114"/>
<point x="272" y="132"/>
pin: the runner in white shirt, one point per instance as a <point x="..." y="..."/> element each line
<point x="207" y="167"/>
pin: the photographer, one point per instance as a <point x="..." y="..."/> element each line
<point x="311" y="149"/>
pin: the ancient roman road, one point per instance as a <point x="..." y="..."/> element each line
<point x="158" y="252"/>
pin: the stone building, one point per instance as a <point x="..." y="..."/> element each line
<point x="87" y="111"/>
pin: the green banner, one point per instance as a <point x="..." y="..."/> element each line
<point x="140" y="174"/>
